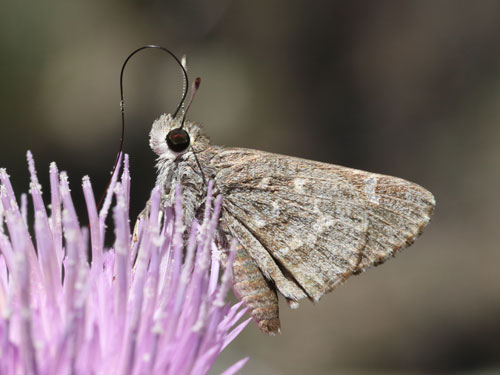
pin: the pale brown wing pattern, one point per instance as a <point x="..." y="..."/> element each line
<point x="310" y="225"/>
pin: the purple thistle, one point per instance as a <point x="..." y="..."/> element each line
<point x="146" y="306"/>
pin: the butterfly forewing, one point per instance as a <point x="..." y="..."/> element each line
<point x="318" y="223"/>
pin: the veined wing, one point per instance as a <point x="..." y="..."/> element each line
<point x="310" y="225"/>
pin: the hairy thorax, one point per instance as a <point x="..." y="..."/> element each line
<point x="190" y="169"/>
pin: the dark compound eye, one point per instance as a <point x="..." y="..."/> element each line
<point x="178" y="140"/>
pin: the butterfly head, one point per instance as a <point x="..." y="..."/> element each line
<point x="169" y="140"/>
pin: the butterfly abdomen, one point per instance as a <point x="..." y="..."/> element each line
<point x="256" y="292"/>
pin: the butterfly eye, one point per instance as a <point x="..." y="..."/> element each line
<point x="178" y="140"/>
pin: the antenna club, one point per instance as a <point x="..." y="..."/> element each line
<point x="196" y="85"/>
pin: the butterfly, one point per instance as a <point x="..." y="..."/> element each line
<point x="303" y="227"/>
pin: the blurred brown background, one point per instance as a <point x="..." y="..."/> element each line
<point x="406" y="88"/>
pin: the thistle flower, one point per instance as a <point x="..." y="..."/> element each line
<point x="145" y="306"/>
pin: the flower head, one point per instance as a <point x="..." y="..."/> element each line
<point x="147" y="305"/>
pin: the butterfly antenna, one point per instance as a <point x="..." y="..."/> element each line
<point x="194" y="90"/>
<point x="122" y="104"/>
<point x="184" y="83"/>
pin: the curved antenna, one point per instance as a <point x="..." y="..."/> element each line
<point x="184" y="83"/>
<point x="122" y="103"/>
<point x="194" y="90"/>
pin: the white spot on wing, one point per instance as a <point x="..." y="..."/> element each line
<point x="260" y="223"/>
<point x="299" y="183"/>
<point x="264" y="183"/>
<point x="325" y="223"/>
<point x="295" y="243"/>
<point x="370" y="185"/>
<point x="275" y="211"/>
<point x="284" y="251"/>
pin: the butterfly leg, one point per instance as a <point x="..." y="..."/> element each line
<point x="257" y="293"/>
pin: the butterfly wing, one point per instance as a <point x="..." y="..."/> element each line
<point x="310" y="225"/>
